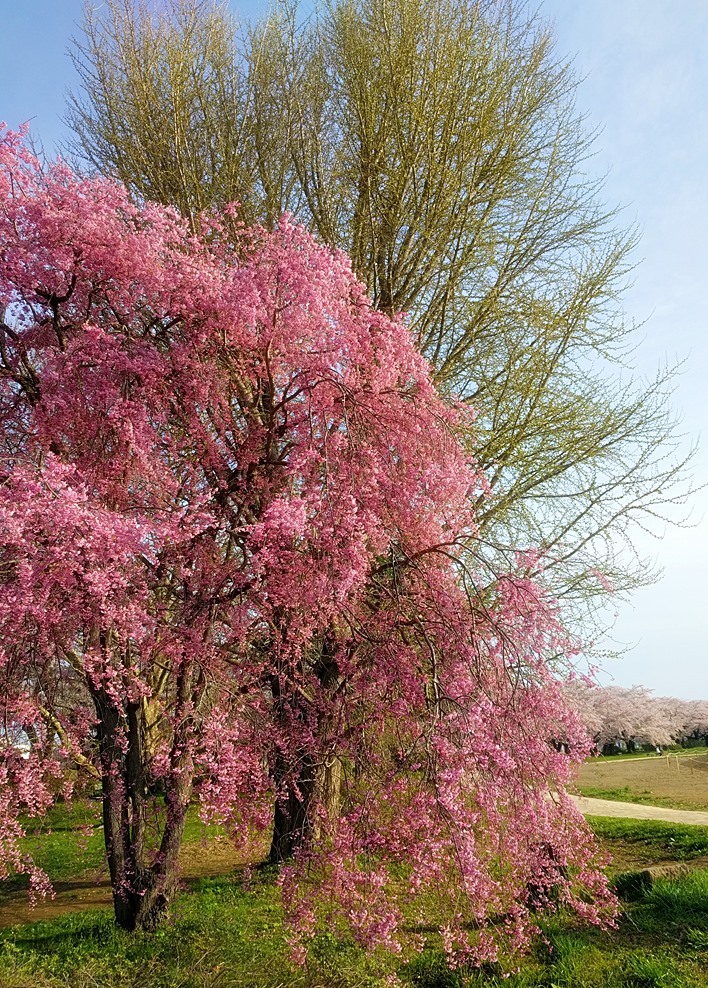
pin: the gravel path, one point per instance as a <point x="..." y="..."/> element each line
<point x="637" y="811"/>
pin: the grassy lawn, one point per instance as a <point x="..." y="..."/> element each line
<point x="224" y="935"/>
<point x="638" y="843"/>
<point x="68" y="842"/>
<point x="625" y="794"/>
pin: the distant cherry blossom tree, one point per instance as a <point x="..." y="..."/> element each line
<point x="634" y="715"/>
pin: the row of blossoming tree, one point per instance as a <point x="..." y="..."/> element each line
<point x="615" y="715"/>
<point x="237" y="561"/>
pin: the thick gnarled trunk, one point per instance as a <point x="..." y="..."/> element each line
<point x="143" y="877"/>
<point x="291" y="816"/>
<point x="295" y="820"/>
<point x="311" y="788"/>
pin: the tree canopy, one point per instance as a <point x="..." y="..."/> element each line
<point x="438" y="143"/>
<point x="636" y="716"/>
<point x="233" y="521"/>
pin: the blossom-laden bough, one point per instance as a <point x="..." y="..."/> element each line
<point x="237" y="564"/>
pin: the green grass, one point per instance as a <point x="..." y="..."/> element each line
<point x="656" y="840"/>
<point x="68" y="842"/>
<point x="222" y="935"/>
<point x="219" y="935"/>
<point x="661" y="941"/>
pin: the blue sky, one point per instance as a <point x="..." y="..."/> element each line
<point x="645" y="84"/>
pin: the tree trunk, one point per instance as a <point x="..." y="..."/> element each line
<point x="293" y="818"/>
<point x="141" y="890"/>
<point x="331" y="778"/>
<point x="291" y="814"/>
<point x="141" y="895"/>
<point x="159" y="882"/>
<point x="115" y="808"/>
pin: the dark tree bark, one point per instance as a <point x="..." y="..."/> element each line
<point x="143" y="877"/>
<point x="311" y="780"/>
<point x="291" y="823"/>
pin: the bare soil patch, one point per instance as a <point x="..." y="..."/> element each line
<point x="634" y="857"/>
<point x="680" y="781"/>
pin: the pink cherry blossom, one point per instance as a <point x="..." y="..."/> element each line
<point x="237" y="553"/>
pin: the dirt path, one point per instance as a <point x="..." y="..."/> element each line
<point x="638" y="811"/>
